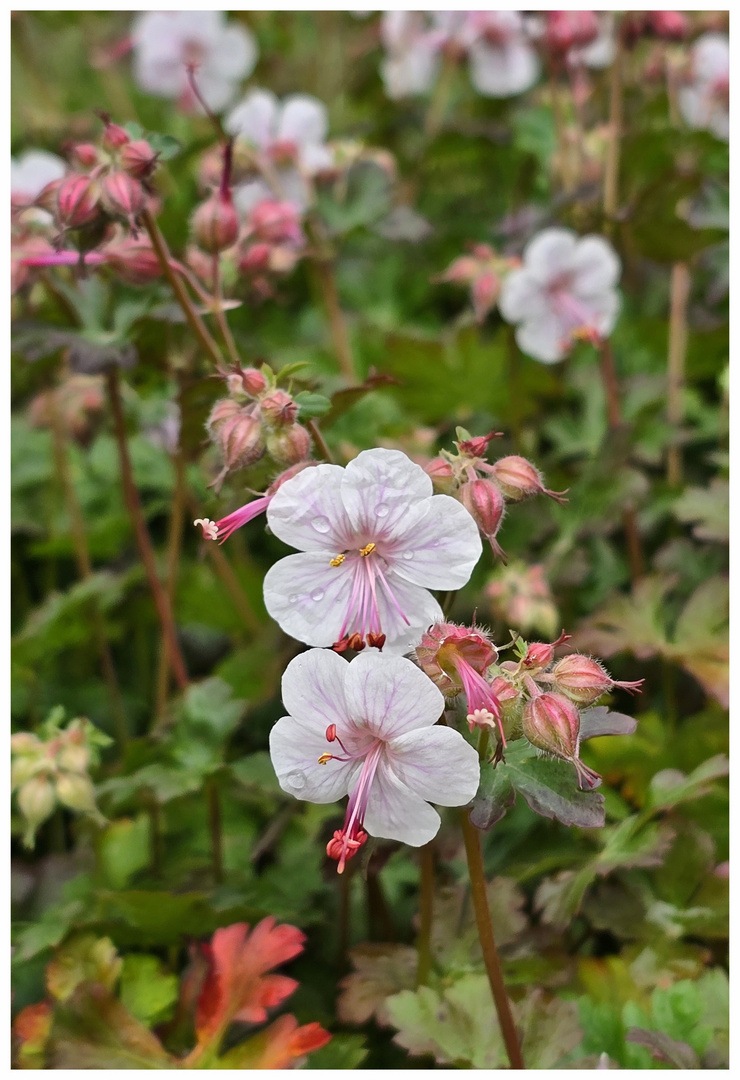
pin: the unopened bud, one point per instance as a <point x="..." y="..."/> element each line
<point x="114" y="137"/>
<point x="48" y="198"/>
<point x="441" y="474"/>
<point x="77" y="201"/>
<point x="133" y="259"/>
<point x="138" y="159"/>
<point x="23" y="768"/>
<point x="240" y="440"/>
<point x="485" y="504"/>
<point x="276" y="222"/>
<point x="86" y="155"/>
<point x="289" y="445"/>
<point x="73" y="758"/>
<point x="668" y="25"/>
<point x="288" y="474"/>
<point x="76" y="792"/>
<point x="122" y="196"/>
<point x="540" y="654"/>
<point x="36" y="801"/>
<point x="518" y="478"/>
<point x="279" y="408"/>
<point x="477" y="446"/>
<point x="216" y="224"/>
<point x="255" y="259"/>
<point x="248" y="381"/>
<point x="485" y="291"/>
<point x="223" y="410"/>
<point x="585" y="680"/>
<point x="552" y="723"/>
<point x="565" y="30"/>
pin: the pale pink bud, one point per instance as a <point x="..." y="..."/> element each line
<point x="138" y="159"/>
<point x="122" y="196"/>
<point x="77" y="201"/>
<point x="241" y="440"/>
<point x="669" y="25"/>
<point x="48" y="197"/>
<point x="478" y="445"/>
<point x="276" y="222"/>
<point x="253" y="381"/>
<point x="279" y="408"/>
<point x="485" y="504"/>
<point x="133" y="259"/>
<point x="36" y="801"/>
<point x="441" y="474"/>
<point x="462" y="270"/>
<point x="114" y="137"/>
<point x="486" y="288"/>
<point x="288" y="474"/>
<point x="289" y="445"/>
<point x="565" y="30"/>
<point x="86" y="155"/>
<point x="518" y="478"/>
<point x="585" y="680"/>
<point x="540" y="654"/>
<point x="223" y="410"/>
<point x="552" y="723"/>
<point x="76" y="792"/>
<point x="255" y="259"/>
<point x="216" y="224"/>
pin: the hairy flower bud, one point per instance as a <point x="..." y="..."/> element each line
<point x="565" y="30"/>
<point x="669" y="25"/>
<point x="289" y="446"/>
<point x="77" y="201"/>
<point x="216" y="224"/>
<point x="485" y="504"/>
<point x="552" y="723"/>
<point x="585" y="680"/>
<point x="114" y="137"/>
<point x="86" y="155"/>
<point x="76" y="792"/>
<point x="276" y="222"/>
<point x="279" y="408"/>
<point x="240" y="440"/>
<point x="540" y="654"/>
<point x="441" y="475"/>
<point x="122" y="196"/>
<point x="133" y="259"/>
<point x="36" y="801"/>
<point x="249" y="381"/>
<point x="477" y="446"/>
<point x="138" y="159"/>
<point x="223" y="410"/>
<point x="518" y="478"/>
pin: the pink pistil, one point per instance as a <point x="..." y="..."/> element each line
<point x="346" y="841"/>
<point x="363" y="610"/>
<point x="479" y="693"/>
<point x="228" y="525"/>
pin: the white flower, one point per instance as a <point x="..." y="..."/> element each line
<point x="564" y="291"/>
<point x="31" y="171"/>
<point x="705" y="101"/>
<point x="367" y="729"/>
<point x="600" y="53"/>
<point x="293" y="130"/>
<point x="412" y="60"/>
<point x="166" y="42"/>
<point x="502" y="60"/>
<point x="372" y="540"/>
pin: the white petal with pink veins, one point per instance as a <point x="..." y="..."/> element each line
<point x="307" y="597"/>
<point x="390" y="695"/>
<point x="313" y="689"/>
<point x="308" y="513"/>
<point x="522" y="297"/>
<point x="549" y="254"/>
<point x="379" y="488"/>
<point x="595" y="266"/>
<point x="503" y="71"/>
<point x="295" y="749"/>
<point x="545" y="338"/>
<point x="397" y="813"/>
<point x="255" y="119"/>
<point x="437" y="764"/>
<point x="441" y="549"/>
<point x="303" y="120"/>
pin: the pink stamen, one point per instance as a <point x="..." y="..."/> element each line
<point x="352" y="836"/>
<point x="228" y="525"/>
<point x="363" y="609"/>
<point x="479" y="692"/>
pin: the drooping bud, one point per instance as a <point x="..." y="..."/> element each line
<point x="122" y="196"/>
<point x="289" y="446"/>
<point x="138" y="159"/>
<point x="552" y="723"/>
<point x="223" y="410"/>
<point x="78" y="201"/>
<point x="86" y="155"/>
<point x="36" y="801"/>
<point x="133" y="259"/>
<point x="279" y="408"/>
<point x="518" y="478"/>
<point x="441" y="475"/>
<point x="485" y="504"/>
<point x="240" y="440"/>
<point x="216" y="224"/>
<point x="540" y="654"/>
<point x="585" y="680"/>
<point x="114" y="137"/>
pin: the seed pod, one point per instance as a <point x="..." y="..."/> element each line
<point x="585" y="680"/>
<point x="518" y="478"/>
<point x="485" y="504"/>
<point x="552" y="723"/>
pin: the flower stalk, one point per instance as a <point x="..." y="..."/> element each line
<point x="426" y="912"/>
<point x="677" y="342"/>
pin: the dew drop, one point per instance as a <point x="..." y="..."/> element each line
<point x="293" y="598"/>
<point x="408" y="555"/>
<point x="321" y="524"/>
<point x="381" y="510"/>
<point x="317" y="594"/>
<point x="296" y="780"/>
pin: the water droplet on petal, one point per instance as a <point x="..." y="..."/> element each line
<point x="408" y="555"/>
<point x="293" y="598"/>
<point x="381" y="510"/>
<point x="321" y="524"/>
<point x="296" y="780"/>
<point x="317" y="594"/>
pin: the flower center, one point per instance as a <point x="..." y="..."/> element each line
<point x="483" y="705"/>
<point x="578" y="321"/>
<point x="347" y="841"/>
<point x="362" y="622"/>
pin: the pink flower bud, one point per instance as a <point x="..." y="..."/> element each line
<point x="253" y="381"/>
<point x="565" y="30"/>
<point x="288" y="474"/>
<point x="48" y="197"/>
<point x="462" y="270"/>
<point x="122" y="196"/>
<point x="585" y="680"/>
<point x="669" y="25"/>
<point x="133" y="259"/>
<point x="485" y="291"/>
<point x="138" y="159"/>
<point x="541" y="654"/>
<point x="279" y="408"/>
<point x="485" y="504"/>
<point x="276" y="222"/>
<point x="240" y="440"/>
<point x="223" y="410"/>
<point x="289" y="446"/>
<point x="255" y="259"/>
<point x="441" y="475"/>
<point x="77" y="201"/>
<point x="86" y="155"/>
<point x="552" y="723"/>
<point x="478" y="445"/>
<point x="518" y="478"/>
<point x="216" y="224"/>
<point x="114" y="137"/>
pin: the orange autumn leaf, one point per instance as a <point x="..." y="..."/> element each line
<point x="280" y="1046"/>
<point x="30" y="1031"/>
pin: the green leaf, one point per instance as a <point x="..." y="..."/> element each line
<point x="664" y="1048"/>
<point x="343" y="1052"/>
<point x="549" y="786"/>
<point x="709" y="510"/>
<point x="495" y="795"/>
<point x="124" y="848"/>
<point x="602" y="721"/>
<point x="380" y="972"/>
<point x="670" y="787"/>
<point x="311" y="405"/>
<point x="147" y="991"/>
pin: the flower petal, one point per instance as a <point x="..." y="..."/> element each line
<point x="303" y="120"/>
<point x="295" y="748"/>
<point x="397" y="813"/>
<point x="313" y="689"/>
<point x="438" y="764"/>
<point x="503" y="71"/>
<point x="543" y="338"/>
<point x="379" y="489"/>
<point x="307" y="597"/>
<point x="549" y="254"/>
<point x="417" y="604"/>
<point x="255" y="118"/>
<point x="595" y="266"/>
<point x="237" y="52"/>
<point x="308" y="513"/>
<point x="522" y="297"/>
<point x="390" y="695"/>
<point x="440" y="550"/>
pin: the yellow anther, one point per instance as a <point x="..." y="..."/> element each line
<point x="368" y="549"/>
<point x="337" y="561"/>
<point x="324" y="758"/>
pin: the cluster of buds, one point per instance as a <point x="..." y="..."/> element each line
<point x="258" y="417"/>
<point x="663" y="25"/>
<point x="567" y="30"/>
<point x="520" y="596"/>
<point x="51" y="769"/>
<point x="78" y="401"/>
<point x="482" y="271"/>
<point x="271" y="243"/>
<point x="483" y="487"/>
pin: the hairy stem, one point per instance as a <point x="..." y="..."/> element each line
<point x="143" y="540"/>
<point x="677" y="341"/>
<point x="488" y="942"/>
<point x="426" y="912"/>
<point x="174" y="545"/>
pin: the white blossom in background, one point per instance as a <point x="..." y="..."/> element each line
<point x="600" y="53"/>
<point x="367" y="729"/>
<point x="166" y="42"/>
<point x="502" y="59"/>
<point x="705" y="101"/>
<point x="565" y="291"/>
<point x="372" y="540"/>
<point x="412" y="60"/>
<point x="30" y="172"/>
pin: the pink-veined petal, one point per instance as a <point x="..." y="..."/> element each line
<point x="255" y="118"/>
<point x="595" y="266"/>
<point x="295" y="749"/>
<point x="313" y="689"/>
<point x="303" y="120"/>
<point x="308" y="513"/>
<point x="437" y="764"/>
<point x="380" y="488"/>
<point x="522" y="297"/>
<point x="237" y="52"/>
<point x="389" y="695"/>
<point x="544" y="338"/>
<point x="441" y="549"/>
<point x="397" y="813"/>
<point x="416" y="603"/>
<point x="307" y="597"/>
<point x="503" y="71"/>
<point x="549" y="254"/>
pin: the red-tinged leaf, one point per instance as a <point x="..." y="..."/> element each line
<point x="30" y="1031"/>
<point x="238" y="986"/>
<point x="280" y="1046"/>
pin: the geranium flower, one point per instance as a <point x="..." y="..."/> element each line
<point x="367" y="729"/>
<point x="372" y="539"/>
<point x="165" y="43"/>
<point x="30" y="172"/>
<point x="502" y="60"/>
<point x="705" y="101"/>
<point x="564" y="292"/>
